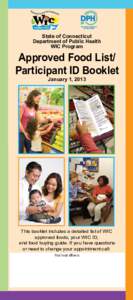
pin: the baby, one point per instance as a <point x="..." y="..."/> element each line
<point x="101" y="197"/>
<point x="35" y="198"/>
<point x="42" y="216"/>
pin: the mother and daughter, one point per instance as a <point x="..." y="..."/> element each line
<point x="46" y="206"/>
<point x="32" y="125"/>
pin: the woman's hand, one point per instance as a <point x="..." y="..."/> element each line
<point x="56" y="212"/>
<point x="73" y="134"/>
<point x="108" y="200"/>
<point x="44" y="127"/>
<point x="110" y="116"/>
<point x="26" y="135"/>
<point x="82" y="129"/>
<point x="47" y="208"/>
<point x="31" y="210"/>
<point x="47" y="130"/>
<point x="39" y="209"/>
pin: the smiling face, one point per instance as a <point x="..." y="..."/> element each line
<point x="33" y="176"/>
<point x="101" y="181"/>
<point x="74" y="180"/>
<point x="51" y="185"/>
<point x="35" y="198"/>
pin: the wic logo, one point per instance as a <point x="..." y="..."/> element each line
<point x="45" y="21"/>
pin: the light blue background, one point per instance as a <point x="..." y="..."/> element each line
<point x="70" y="4"/>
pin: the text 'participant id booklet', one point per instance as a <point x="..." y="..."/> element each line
<point x="65" y="236"/>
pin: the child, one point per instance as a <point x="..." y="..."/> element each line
<point x="102" y="194"/>
<point x="36" y="201"/>
<point x="76" y="201"/>
<point x="75" y="187"/>
<point x="52" y="192"/>
<point x="35" y="132"/>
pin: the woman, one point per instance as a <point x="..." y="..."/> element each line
<point x="28" y="110"/>
<point x="102" y="194"/>
<point x="52" y="192"/>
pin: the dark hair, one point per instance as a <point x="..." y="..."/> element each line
<point x="30" y="101"/>
<point x="33" y="165"/>
<point x="105" y="179"/>
<point x="34" y="192"/>
<point x="31" y="127"/>
<point x="73" y="175"/>
<point x="59" y="184"/>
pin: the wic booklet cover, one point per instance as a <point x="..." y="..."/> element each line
<point x="64" y="232"/>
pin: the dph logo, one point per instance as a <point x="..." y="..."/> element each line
<point x="89" y="20"/>
<point x="45" y="20"/>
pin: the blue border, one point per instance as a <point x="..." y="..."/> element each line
<point x="64" y="112"/>
<point x="114" y="194"/>
<point x="70" y="4"/>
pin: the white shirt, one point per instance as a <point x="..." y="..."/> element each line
<point x="51" y="204"/>
<point x="24" y="196"/>
<point x="36" y="143"/>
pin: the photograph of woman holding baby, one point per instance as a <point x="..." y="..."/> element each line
<point x="41" y="193"/>
<point x="48" y="209"/>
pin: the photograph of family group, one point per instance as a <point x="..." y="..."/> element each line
<point x="91" y="191"/>
<point x="41" y="119"/>
<point x="41" y="191"/>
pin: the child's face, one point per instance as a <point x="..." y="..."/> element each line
<point x="74" y="180"/>
<point x="35" y="198"/>
<point x="51" y="185"/>
<point x="79" y="183"/>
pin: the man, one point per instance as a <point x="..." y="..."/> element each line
<point x="28" y="183"/>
